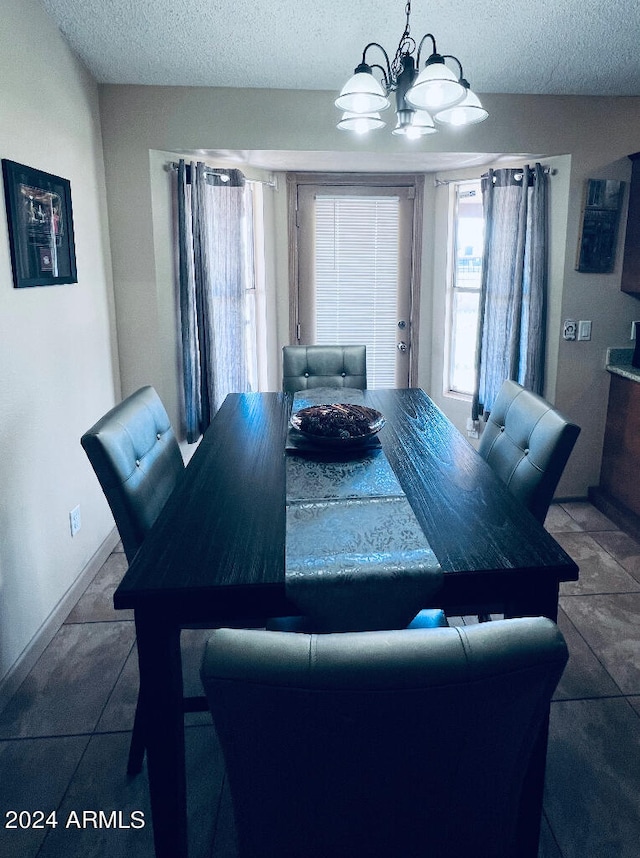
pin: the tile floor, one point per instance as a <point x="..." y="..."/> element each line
<point x="64" y="735"/>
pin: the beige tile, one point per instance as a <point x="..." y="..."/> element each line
<point x="587" y="516"/>
<point x="584" y="676"/>
<point x="559" y="521"/>
<point x="592" y="790"/>
<point x="225" y="838"/>
<point x="34" y="774"/>
<point x="599" y="572"/>
<point x="610" y="624"/>
<point x="101" y="783"/>
<point x="120" y="709"/>
<point x="622" y="548"/>
<point x="548" y="846"/>
<point x="96" y="603"/>
<point x="68" y="687"/>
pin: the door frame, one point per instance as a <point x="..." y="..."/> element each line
<point x="413" y="181"/>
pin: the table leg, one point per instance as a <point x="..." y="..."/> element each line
<point x="543" y="603"/>
<point x="163" y="720"/>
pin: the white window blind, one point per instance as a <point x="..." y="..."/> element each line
<point x="356" y="277"/>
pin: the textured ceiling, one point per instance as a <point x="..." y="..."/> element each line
<point x="587" y="47"/>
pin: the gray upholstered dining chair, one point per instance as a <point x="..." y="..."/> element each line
<point x="304" y="367"/>
<point x="527" y="443"/>
<point x="373" y="744"/>
<point x="136" y="458"/>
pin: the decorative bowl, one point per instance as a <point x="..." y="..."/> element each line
<point x="339" y="425"/>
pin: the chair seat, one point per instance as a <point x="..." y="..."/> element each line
<point x="429" y="618"/>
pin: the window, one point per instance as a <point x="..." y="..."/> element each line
<point x="255" y="292"/>
<point x="465" y="271"/>
<point x="356" y="278"/>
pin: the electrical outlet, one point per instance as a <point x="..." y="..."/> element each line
<point x="584" y="330"/>
<point x="75" y="521"/>
<point x="569" y="329"/>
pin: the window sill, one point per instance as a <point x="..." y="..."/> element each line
<point x="461" y="397"/>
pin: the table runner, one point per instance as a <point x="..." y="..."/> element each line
<point x="356" y="557"/>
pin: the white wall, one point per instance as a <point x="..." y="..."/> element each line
<point x="597" y="134"/>
<point x="57" y="348"/>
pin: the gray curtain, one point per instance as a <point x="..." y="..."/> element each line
<point x="511" y="320"/>
<point x="215" y="264"/>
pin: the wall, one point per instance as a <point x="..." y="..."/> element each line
<point x="57" y="348"/>
<point x="597" y="134"/>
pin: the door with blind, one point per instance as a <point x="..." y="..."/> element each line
<point x="355" y="255"/>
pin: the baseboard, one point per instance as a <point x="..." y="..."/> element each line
<point x="571" y="499"/>
<point x="617" y="512"/>
<point x="47" y="631"/>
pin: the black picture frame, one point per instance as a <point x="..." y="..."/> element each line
<point x="40" y="222"/>
<point x="599" y="231"/>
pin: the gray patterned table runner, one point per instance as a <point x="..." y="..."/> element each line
<point x="356" y="557"/>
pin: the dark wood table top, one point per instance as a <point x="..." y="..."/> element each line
<point x="218" y="547"/>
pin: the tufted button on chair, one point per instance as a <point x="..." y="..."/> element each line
<point x="304" y="367"/>
<point x="374" y="744"/>
<point x="137" y="461"/>
<point x="527" y="443"/>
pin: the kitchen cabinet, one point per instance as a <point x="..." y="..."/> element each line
<point x="620" y="472"/>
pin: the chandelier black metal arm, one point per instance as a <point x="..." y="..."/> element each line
<point x="434" y="52"/>
<point x="368" y="67"/>
<point x="465" y="83"/>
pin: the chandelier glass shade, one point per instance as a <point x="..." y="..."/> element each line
<point x="360" y="122"/>
<point x="362" y="93"/>
<point x="437" y="92"/>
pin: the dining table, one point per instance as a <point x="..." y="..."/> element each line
<point x="219" y="552"/>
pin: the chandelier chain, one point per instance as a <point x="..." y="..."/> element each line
<point x="407" y="45"/>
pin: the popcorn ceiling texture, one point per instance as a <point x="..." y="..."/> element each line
<point x="582" y="47"/>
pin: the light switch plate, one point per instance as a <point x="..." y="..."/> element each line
<point x="584" y="330"/>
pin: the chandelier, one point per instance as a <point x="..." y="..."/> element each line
<point x="435" y="93"/>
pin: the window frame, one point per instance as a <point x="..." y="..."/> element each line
<point x="452" y="289"/>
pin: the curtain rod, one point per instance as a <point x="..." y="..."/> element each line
<point x="221" y="171"/>
<point x="439" y="182"/>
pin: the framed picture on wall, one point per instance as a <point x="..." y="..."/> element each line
<point x="599" y="232"/>
<point x="40" y="221"/>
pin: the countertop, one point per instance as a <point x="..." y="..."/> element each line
<point x="619" y="363"/>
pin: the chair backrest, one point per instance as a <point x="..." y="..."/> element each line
<point x="137" y="460"/>
<point x="304" y="367"/>
<point x="374" y="744"/>
<point x="527" y="443"/>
